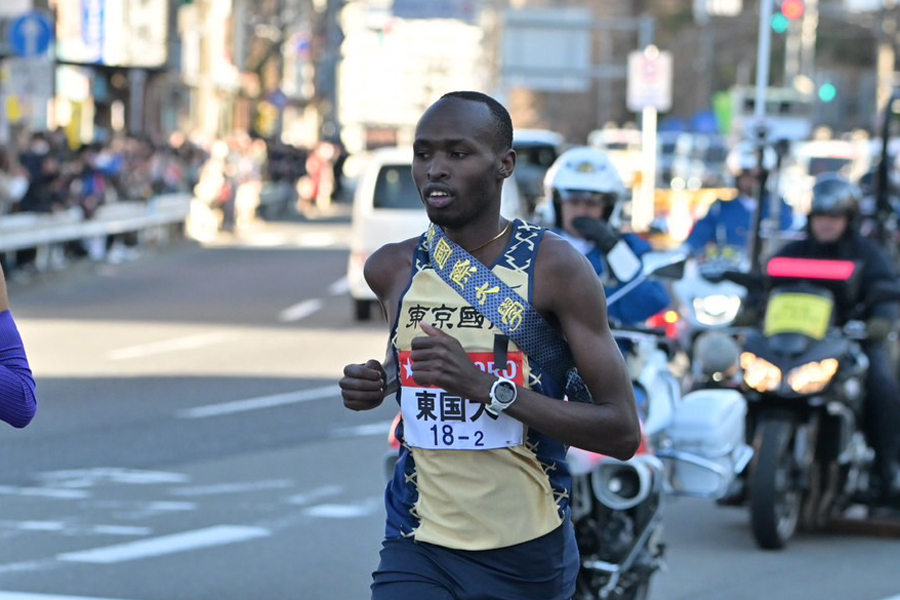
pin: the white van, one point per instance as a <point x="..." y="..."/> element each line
<point x="387" y="208"/>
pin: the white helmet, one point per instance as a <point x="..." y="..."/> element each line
<point x="584" y="169"/>
<point x="578" y="171"/>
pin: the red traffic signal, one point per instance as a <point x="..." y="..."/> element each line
<point x="792" y="9"/>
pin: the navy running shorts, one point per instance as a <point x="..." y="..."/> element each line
<point x="541" y="569"/>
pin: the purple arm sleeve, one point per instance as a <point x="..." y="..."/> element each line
<point x="18" y="402"/>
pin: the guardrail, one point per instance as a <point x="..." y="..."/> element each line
<point x="155" y="216"/>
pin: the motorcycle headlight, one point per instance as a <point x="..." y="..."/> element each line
<point x="813" y="376"/>
<point x="759" y="373"/>
<point x="716" y="309"/>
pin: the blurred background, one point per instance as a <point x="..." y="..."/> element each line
<point x="154" y="89"/>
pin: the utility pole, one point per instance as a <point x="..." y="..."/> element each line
<point x="763" y="55"/>
<point x="808" y="26"/>
<point x="886" y="58"/>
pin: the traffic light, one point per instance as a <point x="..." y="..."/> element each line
<point x="780" y="23"/>
<point x="827" y="92"/>
<point x="792" y="9"/>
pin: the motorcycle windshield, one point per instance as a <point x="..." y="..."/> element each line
<point x="796" y="312"/>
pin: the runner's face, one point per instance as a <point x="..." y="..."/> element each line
<point x="457" y="170"/>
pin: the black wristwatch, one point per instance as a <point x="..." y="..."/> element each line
<point x="503" y="393"/>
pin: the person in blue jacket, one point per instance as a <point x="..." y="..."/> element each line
<point x="729" y="223"/>
<point x="18" y="401"/>
<point x="583" y="182"/>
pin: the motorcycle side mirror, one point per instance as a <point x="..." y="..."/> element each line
<point x="623" y="262"/>
<point x="669" y="265"/>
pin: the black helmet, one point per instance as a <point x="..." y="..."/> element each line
<point x="834" y="195"/>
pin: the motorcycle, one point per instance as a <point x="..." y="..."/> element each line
<point x="804" y="378"/>
<point x="705" y="301"/>
<point x="617" y="506"/>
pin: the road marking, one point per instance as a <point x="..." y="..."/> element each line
<point x="227" y="408"/>
<point x="300" y="310"/>
<point x="180" y="542"/>
<point x="380" y="428"/>
<point x="82" y="478"/>
<point x="339" y="287"/>
<point x="24" y="596"/>
<point x="37" y="525"/>
<point x="233" y="488"/>
<point x="68" y="529"/>
<point x="45" y="493"/>
<point x="189" y="342"/>
<point x="315" y="494"/>
<point x="344" y="511"/>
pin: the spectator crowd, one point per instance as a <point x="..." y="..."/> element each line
<point x="235" y="177"/>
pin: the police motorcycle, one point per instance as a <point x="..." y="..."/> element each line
<point x="804" y="379"/>
<point x="706" y="302"/>
<point x="687" y="447"/>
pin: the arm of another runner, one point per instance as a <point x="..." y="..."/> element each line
<point x="18" y="400"/>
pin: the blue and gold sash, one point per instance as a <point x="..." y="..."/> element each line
<point x="506" y="309"/>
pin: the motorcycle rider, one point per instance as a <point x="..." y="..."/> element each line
<point x="583" y="182"/>
<point x="833" y="233"/>
<point x="728" y="223"/>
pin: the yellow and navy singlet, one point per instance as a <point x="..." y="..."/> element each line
<point x="464" y="479"/>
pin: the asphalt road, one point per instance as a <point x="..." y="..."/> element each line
<point x="190" y="444"/>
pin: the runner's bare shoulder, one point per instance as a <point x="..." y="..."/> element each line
<point x="389" y="264"/>
<point x="560" y="266"/>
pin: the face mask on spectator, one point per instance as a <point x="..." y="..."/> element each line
<point x="16" y="187"/>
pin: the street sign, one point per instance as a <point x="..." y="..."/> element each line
<point x="548" y="49"/>
<point x="30" y="34"/>
<point x="29" y="77"/>
<point x="649" y="80"/>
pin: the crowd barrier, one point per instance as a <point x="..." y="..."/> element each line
<point x="155" y="218"/>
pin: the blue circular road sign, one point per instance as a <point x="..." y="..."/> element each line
<point x="30" y="34"/>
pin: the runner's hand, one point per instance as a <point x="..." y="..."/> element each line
<point x="439" y="359"/>
<point x="362" y="386"/>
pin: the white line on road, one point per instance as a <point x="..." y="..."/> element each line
<point x="74" y="529"/>
<point x="380" y="428"/>
<point x="315" y="494"/>
<point x="227" y="408"/>
<point x="24" y="596"/>
<point x="339" y="287"/>
<point x="167" y="544"/>
<point x="44" y="493"/>
<point x="300" y="310"/>
<point x="344" y="511"/>
<point x="233" y="488"/>
<point x="189" y="342"/>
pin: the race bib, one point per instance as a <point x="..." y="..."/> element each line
<point x="436" y="419"/>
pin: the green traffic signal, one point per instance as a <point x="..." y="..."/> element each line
<point x="827" y="92"/>
<point x="780" y="23"/>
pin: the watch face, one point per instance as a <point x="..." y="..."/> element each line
<point x="504" y="392"/>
